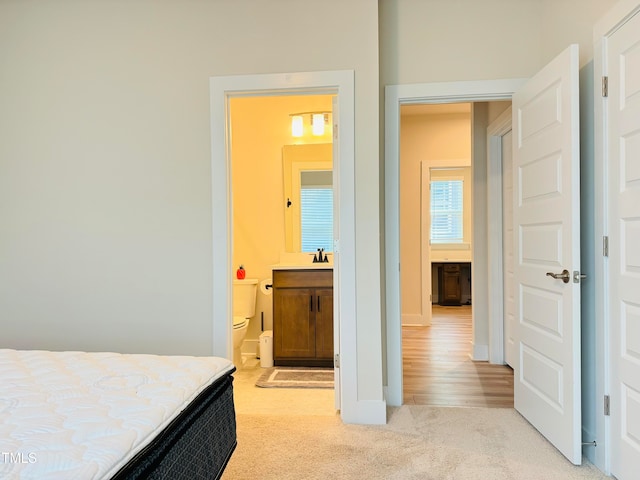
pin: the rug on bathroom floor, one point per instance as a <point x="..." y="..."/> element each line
<point x="296" y="377"/>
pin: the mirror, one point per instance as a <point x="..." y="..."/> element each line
<point x="308" y="197"/>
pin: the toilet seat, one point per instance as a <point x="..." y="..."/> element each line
<point x="239" y="322"/>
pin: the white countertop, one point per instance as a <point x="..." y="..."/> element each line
<point x="302" y="261"/>
<point x="298" y="266"/>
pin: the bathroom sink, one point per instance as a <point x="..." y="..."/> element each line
<point x="301" y="261"/>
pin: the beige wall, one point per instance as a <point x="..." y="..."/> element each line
<point x="443" y="40"/>
<point x="261" y="126"/>
<point x="571" y="21"/>
<point x="105" y="177"/>
<point x="438" y="140"/>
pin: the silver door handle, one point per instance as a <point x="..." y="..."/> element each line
<point x="565" y="276"/>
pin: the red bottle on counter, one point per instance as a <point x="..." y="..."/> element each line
<point x="241" y="273"/>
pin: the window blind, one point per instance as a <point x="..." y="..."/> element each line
<point x="446" y="211"/>
<point x="316" y="218"/>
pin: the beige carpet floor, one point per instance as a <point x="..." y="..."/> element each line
<point x="296" y="434"/>
<point x="419" y="442"/>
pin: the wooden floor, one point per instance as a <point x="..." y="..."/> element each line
<point x="438" y="369"/>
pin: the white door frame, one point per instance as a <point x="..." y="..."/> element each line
<point x="426" y="287"/>
<point x="495" y="285"/>
<point x="340" y="83"/>
<point x="609" y="23"/>
<point x="395" y="96"/>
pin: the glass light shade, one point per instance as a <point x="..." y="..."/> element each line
<point x="317" y="124"/>
<point x="296" y="126"/>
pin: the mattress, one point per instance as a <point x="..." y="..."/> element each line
<point x="67" y="415"/>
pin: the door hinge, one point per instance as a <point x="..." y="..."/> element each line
<point x="336" y="360"/>
<point x="605" y="246"/>
<point x="607" y="405"/>
<point x="605" y="86"/>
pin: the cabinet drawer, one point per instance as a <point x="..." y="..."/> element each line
<point x="302" y="278"/>
<point x="451" y="267"/>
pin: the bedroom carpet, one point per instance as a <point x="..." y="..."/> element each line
<point x="418" y="442"/>
<point x="296" y="377"/>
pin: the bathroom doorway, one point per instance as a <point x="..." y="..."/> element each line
<point x="269" y="166"/>
<point x="340" y="84"/>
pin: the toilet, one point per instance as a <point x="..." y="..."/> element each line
<point x="244" y="307"/>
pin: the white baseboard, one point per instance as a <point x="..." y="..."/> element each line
<point x="479" y="353"/>
<point x="412" y="320"/>
<point x="366" y="412"/>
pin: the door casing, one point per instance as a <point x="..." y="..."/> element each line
<point x="341" y="84"/>
<point x="500" y="127"/>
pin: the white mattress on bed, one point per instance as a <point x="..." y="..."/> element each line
<point x="84" y="415"/>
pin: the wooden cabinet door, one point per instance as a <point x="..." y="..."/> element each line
<point x="451" y="288"/>
<point x="294" y="323"/>
<point x="450" y="292"/>
<point x="324" y="323"/>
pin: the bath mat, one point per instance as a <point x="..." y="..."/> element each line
<point x="296" y="377"/>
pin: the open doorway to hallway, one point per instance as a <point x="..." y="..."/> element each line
<point x="437" y="145"/>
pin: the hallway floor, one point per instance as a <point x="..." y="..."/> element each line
<point x="438" y="369"/>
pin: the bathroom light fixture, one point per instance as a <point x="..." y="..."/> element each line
<point x="296" y="126"/>
<point x="317" y="121"/>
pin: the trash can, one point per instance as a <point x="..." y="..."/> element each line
<point x="266" y="349"/>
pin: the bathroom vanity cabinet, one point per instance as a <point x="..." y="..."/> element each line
<point x="303" y="317"/>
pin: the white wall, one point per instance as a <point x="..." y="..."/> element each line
<point x="105" y="214"/>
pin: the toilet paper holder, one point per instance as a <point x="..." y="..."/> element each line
<point x="266" y="286"/>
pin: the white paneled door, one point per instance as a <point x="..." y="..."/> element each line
<point x="546" y="215"/>
<point x="624" y="240"/>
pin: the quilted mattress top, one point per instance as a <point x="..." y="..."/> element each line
<point x="84" y="415"/>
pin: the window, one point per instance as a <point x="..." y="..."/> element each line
<point x="446" y="211"/>
<point x="316" y="211"/>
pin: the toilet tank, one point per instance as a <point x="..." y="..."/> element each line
<point x="244" y="297"/>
